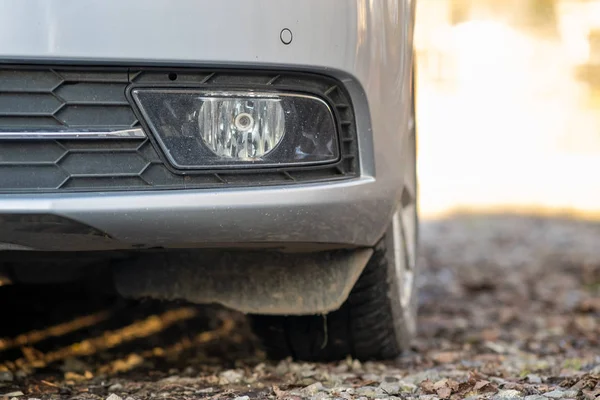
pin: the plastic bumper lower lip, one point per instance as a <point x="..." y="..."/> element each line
<point x="350" y="213"/>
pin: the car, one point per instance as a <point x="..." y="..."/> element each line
<point x="258" y="154"/>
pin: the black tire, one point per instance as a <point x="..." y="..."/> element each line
<point x="378" y="319"/>
<point x="368" y="326"/>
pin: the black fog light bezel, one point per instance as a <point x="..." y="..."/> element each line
<point x="340" y="125"/>
<point x="191" y="152"/>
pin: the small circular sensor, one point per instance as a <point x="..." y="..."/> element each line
<point x="286" y="36"/>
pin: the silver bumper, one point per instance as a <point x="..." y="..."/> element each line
<point x="365" y="44"/>
<point x="347" y="213"/>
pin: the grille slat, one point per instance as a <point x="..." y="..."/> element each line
<point x="81" y="98"/>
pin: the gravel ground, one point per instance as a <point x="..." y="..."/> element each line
<point x="509" y="309"/>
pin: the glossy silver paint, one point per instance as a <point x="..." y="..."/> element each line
<point x="135" y="133"/>
<point x="365" y="43"/>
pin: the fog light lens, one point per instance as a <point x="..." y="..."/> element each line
<point x="241" y="128"/>
<point x="220" y="129"/>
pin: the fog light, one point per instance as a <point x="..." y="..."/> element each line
<point x="219" y="129"/>
<point x="241" y="128"/>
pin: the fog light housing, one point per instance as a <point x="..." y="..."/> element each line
<point x="241" y="128"/>
<point x="219" y="129"/>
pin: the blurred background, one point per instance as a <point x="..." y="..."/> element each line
<point x="509" y="105"/>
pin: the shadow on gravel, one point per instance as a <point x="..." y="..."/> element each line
<point x="508" y="306"/>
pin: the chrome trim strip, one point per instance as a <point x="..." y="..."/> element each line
<point x="136" y="133"/>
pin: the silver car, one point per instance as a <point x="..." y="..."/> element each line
<point x="259" y="154"/>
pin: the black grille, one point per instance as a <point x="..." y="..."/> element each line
<point x="45" y="98"/>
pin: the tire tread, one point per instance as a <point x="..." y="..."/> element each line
<point x="361" y="328"/>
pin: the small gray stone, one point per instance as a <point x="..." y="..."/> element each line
<point x="533" y="378"/>
<point x="307" y="373"/>
<point x="496" y="380"/>
<point x="471" y="364"/>
<point x="367" y="391"/>
<point x="555" y="394"/>
<point x="371" y="377"/>
<point x="535" y="397"/>
<point x="13" y="394"/>
<point x="419" y="377"/>
<point x="6" y="376"/>
<point x="242" y="398"/>
<point x="496" y="347"/>
<point x="113" y="397"/>
<point x="129" y="398"/>
<point x="116" y="387"/>
<point x="313" y="389"/>
<point x="407" y="387"/>
<point x="380" y="393"/>
<point x="390" y="387"/>
<point x="507" y="394"/>
<point x="230" y="376"/>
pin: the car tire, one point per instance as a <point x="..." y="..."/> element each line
<point x="378" y="319"/>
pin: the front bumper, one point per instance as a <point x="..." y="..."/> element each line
<point x="343" y="213"/>
<point x="366" y="45"/>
